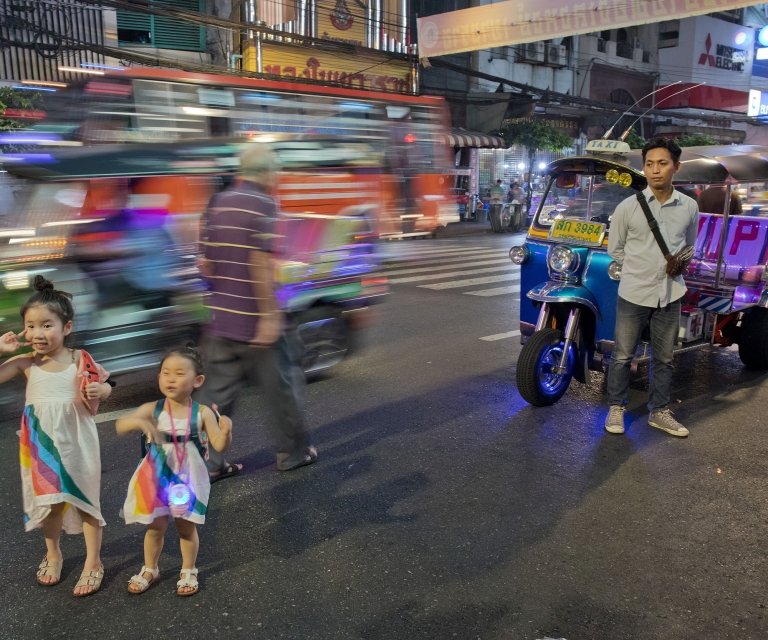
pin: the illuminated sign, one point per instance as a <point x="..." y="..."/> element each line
<point x="758" y="103"/>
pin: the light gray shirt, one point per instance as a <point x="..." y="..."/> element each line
<point x="644" y="280"/>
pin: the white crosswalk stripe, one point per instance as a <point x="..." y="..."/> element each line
<point x="501" y="336"/>
<point x="415" y="254"/>
<point x="496" y="291"/>
<point x="455" y="284"/>
<point x="491" y="258"/>
<point x="454" y="274"/>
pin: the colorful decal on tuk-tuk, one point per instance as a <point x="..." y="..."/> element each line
<point x="587" y="233"/>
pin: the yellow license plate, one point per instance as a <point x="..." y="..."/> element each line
<point x="589" y="233"/>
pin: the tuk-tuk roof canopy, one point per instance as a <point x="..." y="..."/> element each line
<point x="699" y="165"/>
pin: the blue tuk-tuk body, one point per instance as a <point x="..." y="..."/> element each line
<point x="570" y="283"/>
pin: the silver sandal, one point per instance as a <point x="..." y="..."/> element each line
<point x="90" y="579"/>
<point x="49" y="568"/>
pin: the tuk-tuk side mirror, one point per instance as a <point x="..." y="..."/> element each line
<point x="566" y="181"/>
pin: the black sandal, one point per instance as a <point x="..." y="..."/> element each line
<point x="232" y="470"/>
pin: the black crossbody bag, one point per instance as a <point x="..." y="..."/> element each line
<point x="677" y="264"/>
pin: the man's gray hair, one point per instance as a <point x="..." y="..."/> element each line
<point x="258" y="163"/>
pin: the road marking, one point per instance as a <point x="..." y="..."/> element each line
<point x="452" y="262"/>
<point x="501" y="336"/>
<point x="454" y="284"/>
<point x="500" y="263"/>
<point x="497" y="291"/>
<point x="452" y="274"/>
<point x="440" y="255"/>
<point x="410" y="251"/>
<point x="112" y="415"/>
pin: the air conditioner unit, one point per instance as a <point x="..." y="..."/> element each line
<point x="533" y="52"/>
<point x="557" y="55"/>
<point x="637" y="43"/>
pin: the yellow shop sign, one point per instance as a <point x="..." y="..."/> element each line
<point x="363" y="71"/>
<point x="342" y="21"/>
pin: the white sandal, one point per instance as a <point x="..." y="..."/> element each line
<point x="140" y="581"/>
<point x="186" y="581"/>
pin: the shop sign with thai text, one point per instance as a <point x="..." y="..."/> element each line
<point x="356" y="72"/>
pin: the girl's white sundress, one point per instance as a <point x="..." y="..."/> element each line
<point x="159" y="470"/>
<point x="60" y="457"/>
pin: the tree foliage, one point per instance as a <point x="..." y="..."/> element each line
<point x="635" y="140"/>
<point x="534" y="136"/>
<point x="695" y="140"/>
<point x="11" y="98"/>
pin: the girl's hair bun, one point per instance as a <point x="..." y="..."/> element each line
<point x="41" y="284"/>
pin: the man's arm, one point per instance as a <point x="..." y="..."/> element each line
<point x="617" y="237"/>
<point x="693" y="227"/>
<point x="271" y="318"/>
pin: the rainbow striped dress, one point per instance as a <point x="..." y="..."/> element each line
<point x="60" y="457"/>
<point x="159" y="470"/>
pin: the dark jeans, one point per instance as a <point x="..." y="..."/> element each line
<point x="631" y="319"/>
<point x="277" y="370"/>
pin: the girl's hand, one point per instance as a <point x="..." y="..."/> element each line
<point x="92" y="390"/>
<point x="225" y="425"/>
<point x="10" y="342"/>
<point x="151" y="432"/>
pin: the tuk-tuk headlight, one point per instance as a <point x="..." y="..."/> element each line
<point x="519" y="255"/>
<point x="562" y="259"/>
<point x="614" y="270"/>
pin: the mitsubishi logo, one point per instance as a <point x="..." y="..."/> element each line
<point x="725" y="57"/>
<point x="708" y="58"/>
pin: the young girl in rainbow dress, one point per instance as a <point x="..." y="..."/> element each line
<point x="172" y="478"/>
<point x="60" y="460"/>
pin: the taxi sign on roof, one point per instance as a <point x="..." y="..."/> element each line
<point x="616" y="146"/>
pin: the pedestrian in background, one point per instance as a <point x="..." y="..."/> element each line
<point x="249" y="339"/>
<point x="647" y="295"/>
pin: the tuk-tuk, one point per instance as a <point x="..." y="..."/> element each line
<point x="119" y="227"/>
<point x="568" y="312"/>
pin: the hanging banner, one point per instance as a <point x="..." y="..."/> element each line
<point x="361" y="71"/>
<point x="515" y="22"/>
<point x="342" y="21"/>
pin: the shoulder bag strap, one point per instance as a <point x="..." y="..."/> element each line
<point x="653" y="225"/>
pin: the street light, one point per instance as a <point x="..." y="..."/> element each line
<point x="521" y="165"/>
<point x="542" y="165"/>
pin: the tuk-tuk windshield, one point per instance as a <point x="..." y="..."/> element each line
<point x="575" y="196"/>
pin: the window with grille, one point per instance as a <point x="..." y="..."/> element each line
<point x="143" y="29"/>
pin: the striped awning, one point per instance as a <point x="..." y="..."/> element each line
<point x="460" y="137"/>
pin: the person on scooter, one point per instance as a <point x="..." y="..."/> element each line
<point x="647" y="295"/>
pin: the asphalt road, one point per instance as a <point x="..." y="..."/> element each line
<point x="442" y="506"/>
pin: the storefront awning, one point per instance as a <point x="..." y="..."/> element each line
<point x="460" y="137"/>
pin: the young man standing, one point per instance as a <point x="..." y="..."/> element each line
<point x="647" y="296"/>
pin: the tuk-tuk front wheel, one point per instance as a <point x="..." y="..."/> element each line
<point x="537" y="380"/>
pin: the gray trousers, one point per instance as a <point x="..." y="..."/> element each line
<point x="229" y="365"/>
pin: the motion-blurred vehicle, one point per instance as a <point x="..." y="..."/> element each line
<point x="143" y="105"/>
<point x="568" y="315"/>
<point x="118" y="226"/>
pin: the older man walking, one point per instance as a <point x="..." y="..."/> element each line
<point x="248" y="339"/>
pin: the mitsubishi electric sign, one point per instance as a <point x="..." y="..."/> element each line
<point x="712" y="51"/>
<point x="724" y="56"/>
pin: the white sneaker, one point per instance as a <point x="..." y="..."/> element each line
<point x="664" y="420"/>
<point x="614" y="423"/>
